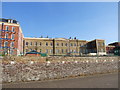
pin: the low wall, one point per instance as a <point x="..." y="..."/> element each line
<point x="56" y="67"/>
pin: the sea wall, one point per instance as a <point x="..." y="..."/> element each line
<point x="42" y="68"/>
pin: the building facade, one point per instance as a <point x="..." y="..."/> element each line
<point x="96" y="46"/>
<point x="11" y="37"/>
<point x="12" y="42"/>
<point x="62" y="46"/>
<point x="110" y="49"/>
<point x="113" y="48"/>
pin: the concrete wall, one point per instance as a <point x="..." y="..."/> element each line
<point x="29" y="69"/>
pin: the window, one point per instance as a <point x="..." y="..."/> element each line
<point x="6" y="35"/>
<point x="62" y="51"/>
<point x="82" y="44"/>
<point x="7" y="28"/>
<point x="35" y="43"/>
<point x="11" y="52"/>
<point x="46" y="50"/>
<point x="57" y="51"/>
<point x="103" y="44"/>
<point x="5" y="44"/>
<point x="46" y="44"/>
<point x="102" y="50"/>
<point x="75" y="44"/>
<point x="12" y="44"/>
<point x="57" y="44"/>
<point x="98" y="44"/>
<point x="12" y="37"/>
<point x="66" y="44"/>
<point x="86" y="51"/>
<point x="26" y="43"/>
<point x="74" y="51"/>
<point x="81" y="50"/>
<point x="61" y="44"/>
<point x="51" y="44"/>
<point x="66" y="50"/>
<point x="31" y="43"/>
<point x="40" y="44"/>
<point x="40" y="50"/>
<point x="71" y="44"/>
<point x="51" y="51"/>
<point x="9" y="21"/>
<point x="13" y="29"/>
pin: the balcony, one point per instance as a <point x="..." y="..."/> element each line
<point x="7" y="31"/>
<point x="6" y="47"/>
<point x="6" y="39"/>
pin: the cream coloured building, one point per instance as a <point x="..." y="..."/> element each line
<point x="60" y="46"/>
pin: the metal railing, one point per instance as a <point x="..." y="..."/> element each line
<point x="7" y="31"/>
<point x="6" y="39"/>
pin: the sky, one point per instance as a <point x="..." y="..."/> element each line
<point x="83" y="20"/>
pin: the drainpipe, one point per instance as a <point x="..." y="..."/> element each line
<point x="53" y="46"/>
<point x="97" y="47"/>
<point x="1" y="36"/>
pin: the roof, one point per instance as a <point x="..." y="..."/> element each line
<point x="38" y="38"/>
<point x="115" y="44"/>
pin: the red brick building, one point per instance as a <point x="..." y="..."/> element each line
<point x="110" y="49"/>
<point x="11" y="37"/>
<point x="113" y="48"/>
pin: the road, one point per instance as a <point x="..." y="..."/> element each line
<point x="96" y="81"/>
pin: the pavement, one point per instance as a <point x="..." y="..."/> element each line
<point x="96" y="81"/>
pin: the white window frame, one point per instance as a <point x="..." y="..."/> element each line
<point x="12" y="36"/>
<point x="7" y="28"/>
<point x="5" y="44"/>
<point x="6" y="35"/>
<point x="13" y="29"/>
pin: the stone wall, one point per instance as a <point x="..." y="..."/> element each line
<point x="27" y="69"/>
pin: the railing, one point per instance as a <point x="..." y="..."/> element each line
<point x="1" y="47"/>
<point x="7" y="31"/>
<point x="4" y="47"/>
<point x="6" y="39"/>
